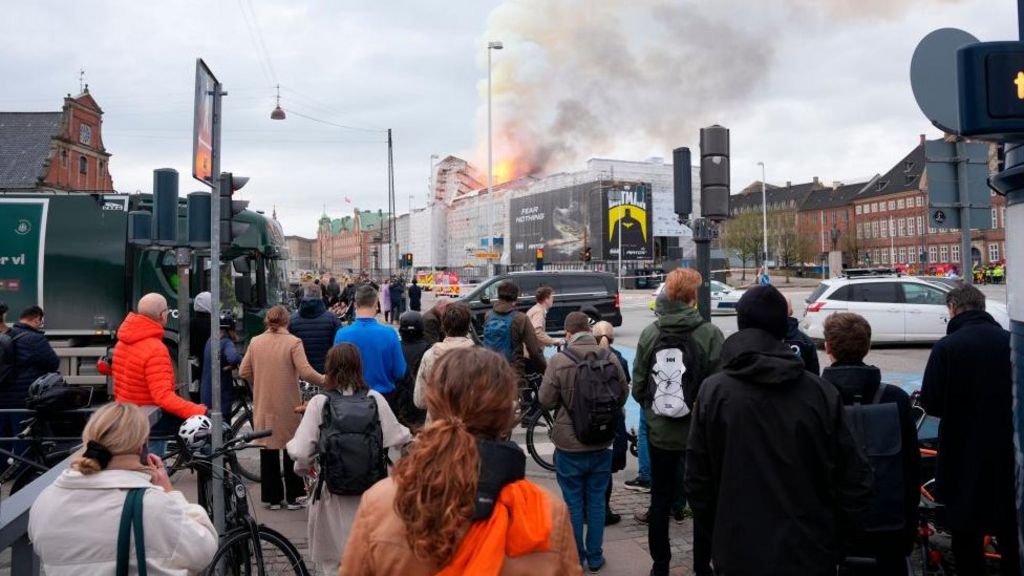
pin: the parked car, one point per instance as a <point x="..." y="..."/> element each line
<point x="573" y="289"/>
<point x="723" y="297"/>
<point x="899" y="308"/>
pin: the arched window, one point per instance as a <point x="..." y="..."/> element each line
<point x="83" y="165"/>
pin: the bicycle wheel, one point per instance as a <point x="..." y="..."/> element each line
<point x="275" y="555"/>
<point x="245" y="464"/>
<point x="538" y="429"/>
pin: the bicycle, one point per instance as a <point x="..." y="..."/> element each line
<point x="246" y="547"/>
<point x="242" y="423"/>
<point x="534" y="417"/>
<point x="44" y="450"/>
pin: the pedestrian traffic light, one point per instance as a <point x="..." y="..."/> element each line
<point x="407" y="259"/>
<point x="586" y="254"/>
<point x="991" y="90"/>
<point x="714" y="173"/>
<point x="229" y="184"/>
<point x="539" y="255"/>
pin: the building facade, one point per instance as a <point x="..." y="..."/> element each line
<point x="49" y="151"/>
<point x="302" y="256"/>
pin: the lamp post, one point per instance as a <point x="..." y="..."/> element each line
<point x="615" y="195"/>
<point x="491" y="46"/>
<point x="764" y="215"/>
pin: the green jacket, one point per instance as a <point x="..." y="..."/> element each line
<point x="662" y="432"/>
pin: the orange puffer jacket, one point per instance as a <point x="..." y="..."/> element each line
<point x="143" y="374"/>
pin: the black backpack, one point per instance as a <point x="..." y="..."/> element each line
<point x="7" y="358"/>
<point x="351" y="445"/>
<point x="595" y="400"/>
<point x="876" y="428"/>
<point x="676" y="373"/>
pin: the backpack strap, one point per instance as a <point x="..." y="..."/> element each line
<point x="131" y="523"/>
<point x="878" y="393"/>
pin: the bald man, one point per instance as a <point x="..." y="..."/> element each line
<point x="143" y="373"/>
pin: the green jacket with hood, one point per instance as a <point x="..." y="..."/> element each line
<point x="663" y="432"/>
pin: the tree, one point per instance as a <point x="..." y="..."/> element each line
<point x="793" y="247"/>
<point x="742" y="235"/>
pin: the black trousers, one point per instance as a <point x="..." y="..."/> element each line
<point x="664" y="491"/>
<point x="275" y="485"/>
<point x="970" y="556"/>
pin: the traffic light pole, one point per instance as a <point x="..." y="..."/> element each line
<point x="966" y="254"/>
<point x="702" y="239"/>
<point x="216" y="418"/>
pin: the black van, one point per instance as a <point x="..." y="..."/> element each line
<point x="573" y="289"/>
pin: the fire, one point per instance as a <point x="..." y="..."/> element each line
<point x="503" y="171"/>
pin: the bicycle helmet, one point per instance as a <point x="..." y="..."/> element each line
<point x="227" y="320"/>
<point x="190" y="429"/>
<point x="592" y="313"/>
<point x="411" y="324"/>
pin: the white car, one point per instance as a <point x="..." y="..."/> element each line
<point x="723" y="297"/>
<point x="899" y="308"/>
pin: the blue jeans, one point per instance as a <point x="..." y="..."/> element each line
<point x="643" y="454"/>
<point x="583" y="478"/>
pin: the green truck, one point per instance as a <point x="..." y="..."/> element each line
<point x="69" y="253"/>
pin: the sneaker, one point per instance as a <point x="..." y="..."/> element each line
<point x="680" y="515"/>
<point x="611" y="518"/>
<point x="638" y="484"/>
<point x="595" y="568"/>
<point x="293" y="506"/>
<point x="272" y="506"/>
<point x="641" y="516"/>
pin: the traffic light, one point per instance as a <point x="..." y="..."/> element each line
<point x="407" y="259"/>
<point x="714" y="173"/>
<point x="991" y="90"/>
<point x="682" y="188"/>
<point x="229" y="184"/>
<point x="539" y="255"/>
<point x="165" y="207"/>
<point x="586" y="254"/>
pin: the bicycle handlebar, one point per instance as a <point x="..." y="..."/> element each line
<point x="257" y="434"/>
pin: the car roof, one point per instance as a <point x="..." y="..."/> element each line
<point x="561" y="273"/>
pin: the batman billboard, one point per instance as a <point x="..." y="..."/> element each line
<point x="628" y="221"/>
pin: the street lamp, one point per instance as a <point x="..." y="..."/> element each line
<point x="278" y="113"/>
<point x="491" y="46"/>
<point x="764" y="215"/>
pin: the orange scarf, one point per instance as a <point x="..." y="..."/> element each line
<point x="520" y="524"/>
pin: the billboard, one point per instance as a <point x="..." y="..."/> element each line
<point x="564" y="221"/>
<point x="628" y="221"/>
<point x="202" y="127"/>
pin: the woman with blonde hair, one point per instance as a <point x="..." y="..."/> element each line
<point x="327" y="528"/>
<point x="274" y="363"/>
<point x="458" y="501"/>
<point x="73" y="522"/>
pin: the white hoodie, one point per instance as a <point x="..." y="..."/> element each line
<point x="74" y="525"/>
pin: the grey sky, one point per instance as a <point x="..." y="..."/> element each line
<point x="829" y="95"/>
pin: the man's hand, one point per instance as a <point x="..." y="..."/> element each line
<point x="301" y="408"/>
<point x="158" y="473"/>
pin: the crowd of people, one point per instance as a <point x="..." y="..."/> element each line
<point x="785" y="468"/>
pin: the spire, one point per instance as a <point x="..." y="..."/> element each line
<point x="273" y="214"/>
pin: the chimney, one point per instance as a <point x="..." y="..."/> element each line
<point x="789" y="184"/>
<point x="816" y="182"/>
<point x="922" y="139"/>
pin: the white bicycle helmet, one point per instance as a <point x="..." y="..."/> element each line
<point x="191" y="427"/>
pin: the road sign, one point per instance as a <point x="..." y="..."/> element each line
<point x="933" y="76"/>
<point x="943" y="184"/>
<point x="202" y="128"/>
<point x="486" y="255"/>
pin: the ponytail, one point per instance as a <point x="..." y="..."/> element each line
<point x="437" y="483"/>
<point x="603" y="342"/>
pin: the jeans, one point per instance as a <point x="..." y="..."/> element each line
<point x="583" y="478"/>
<point x="273" y="492"/>
<point x="643" y="454"/>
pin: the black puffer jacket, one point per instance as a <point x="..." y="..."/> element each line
<point x="859" y="379"/>
<point x="316" y="327"/>
<point x="967" y="383"/>
<point x="772" y="470"/>
<point x="803" y="346"/>
<point x="33" y="357"/>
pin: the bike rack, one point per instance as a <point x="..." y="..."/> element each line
<point x="15" y="509"/>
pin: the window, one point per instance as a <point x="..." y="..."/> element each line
<point x="920" y="201"/>
<point x="900" y="204"/>
<point x="910" y="227"/>
<point x="874" y="229"/>
<point x="884" y="227"/>
<point x="885" y="256"/>
<point x="63" y="158"/>
<point x="581" y="284"/>
<point x="83" y="165"/>
<point x="878" y="256"/>
<point x="892" y="205"/>
<point x="1002" y="215"/>
<point x="842" y="294"/>
<point x="858" y="209"/>
<point x="921" y="294"/>
<point x="993" y="252"/>
<point x="881" y="292"/>
<point x="903" y="255"/>
<point x="933" y="254"/>
<point x="920" y="225"/>
<point x="902" y="228"/>
<point x="874" y="206"/>
<point x="954" y="252"/>
<point x="860" y="231"/>
<point x="943" y="253"/>
<point x="995" y="218"/>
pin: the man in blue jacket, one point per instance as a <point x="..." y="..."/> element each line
<point x="315" y="326"/>
<point x="33" y="357"/>
<point x="379" y="346"/>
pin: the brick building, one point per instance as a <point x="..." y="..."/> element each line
<point x="353" y="244"/>
<point x="826" y="217"/>
<point x="46" y="151"/>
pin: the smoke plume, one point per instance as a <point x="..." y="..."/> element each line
<point x="584" y="78"/>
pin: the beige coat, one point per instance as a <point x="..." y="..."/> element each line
<point x="378" y="545"/>
<point x="274" y="362"/>
<point x="538" y="319"/>
<point x="327" y="527"/>
<point x="430" y="358"/>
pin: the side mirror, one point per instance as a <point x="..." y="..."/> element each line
<point x="243" y="290"/>
<point x="241" y="265"/>
<point x="485" y="300"/>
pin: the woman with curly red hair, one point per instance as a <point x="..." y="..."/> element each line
<point x="458" y="502"/>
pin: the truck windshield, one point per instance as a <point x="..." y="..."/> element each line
<point x="277" y="282"/>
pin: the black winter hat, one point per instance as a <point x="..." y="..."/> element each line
<point x="766" y="308"/>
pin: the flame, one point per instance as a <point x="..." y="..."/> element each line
<point x="503" y="171"/>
